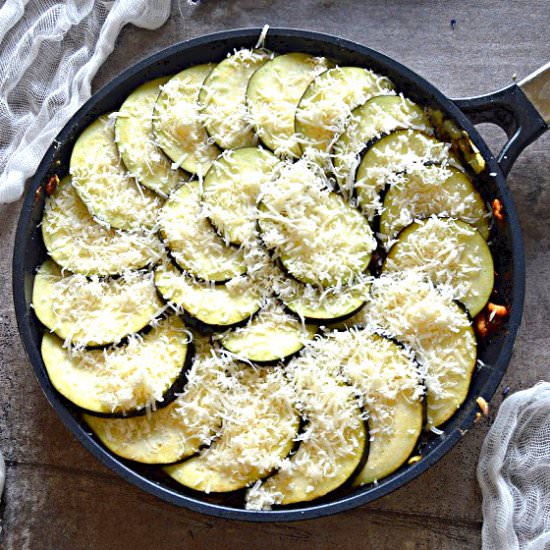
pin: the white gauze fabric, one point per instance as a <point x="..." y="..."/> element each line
<point x="50" y="50"/>
<point x="514" y="473"/>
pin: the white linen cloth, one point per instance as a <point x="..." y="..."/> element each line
<point x="514" y="473"/>
<point x="50" y="50"/>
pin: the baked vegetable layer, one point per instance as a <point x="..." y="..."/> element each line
<point x="258" y="433"/>
<point x="452" y="254"/>
<point x="94" y="312"/>
<point x="436" y="328"/>
<point x="177" y="124"/>
<point x="134" y="137"/>
<point x="217" y="305"/>
<point x="379" y="115"/>
<point x="400" y="151"/>
<point x="177" y="431"/>
<point x="317" y="236"/>
<point x="231" y="188"/>
<point x="389" y="383"/>
<point x="104" y="185"/>
<point x="440" y="190"/>
<point x="332" y="445"/>
<point x="193" y="242"/>
<point x="223" y="99"/>
<point x="328" y="102"/>
<point x="273" y="94"/>
<point x="124" y="379"/>
<point x="77" y="243"/>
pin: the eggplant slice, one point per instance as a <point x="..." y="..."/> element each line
<point x="120" y="380"/>
<point x="328" y="102"/>
<point x="77" y="243"/>
<point x="177" y="124"/>
<point x="270" y="336"/>
<point x="379" y="115"/>
<point x="260" y="425"/>
<point x="319" y="305"/>
<point x="334" y="441"/>
<point x="388" y="380"/>
<point x="451" y="253"/>
<point x="440" y="190"/>
<point x="193" y="242"/>
<point x="400" y="151"/>
<point x="221" y="306"/>
<point x="318" y="237"/>
<point x="94" y="312"/>
<point x="136" y="143"/>
<point x="273" y="94"/>
<point x="411" y="309"/>
<point x="231" y="188"/>
<point x="223" y="99"/>
<point x="177" y="431"/>
<point x="103" y="184"/>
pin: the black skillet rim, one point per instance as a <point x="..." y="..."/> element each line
<point x="247" y="37"/>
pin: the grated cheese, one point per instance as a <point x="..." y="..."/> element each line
<point x="329" y="101"/>
<point x="135" y="141"/>
<point x="192" y="240"/>
<point x="223" y="98"/>
<point x="273" y="94"/>
<point x="119" y="379"/>
<point x="379" y="115"/>
<point x="319" y="238"/>
<point x="77" y="243"/>
<point x="103" y="184"/>
<point x="93" y="311"/>
<point x="259" y="425"/>
<point x="177" y="124"/>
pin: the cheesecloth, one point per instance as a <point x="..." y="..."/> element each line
<point x="514" y="473"/>
<point x="50" y="51"/>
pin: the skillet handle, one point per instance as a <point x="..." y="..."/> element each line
<point x="522" y="110"/>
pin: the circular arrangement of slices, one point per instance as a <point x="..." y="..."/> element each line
<point x="262" y="276"/>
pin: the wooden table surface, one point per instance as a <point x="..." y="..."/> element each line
<point x="59" y="497"/>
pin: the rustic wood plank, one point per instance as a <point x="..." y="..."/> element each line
<point x="102" y="513"/>
<point x="58" y="496"/>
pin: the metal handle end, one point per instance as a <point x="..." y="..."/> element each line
<point x="537" y="88"/>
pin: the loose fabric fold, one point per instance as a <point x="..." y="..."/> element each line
<point x="49" y="53"/>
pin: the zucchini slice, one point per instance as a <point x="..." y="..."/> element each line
<point x="272" y="96"/>
<point x="411" y="309"/>
<point x="101" y="181"/>
<point x="136" y="143"/>
<point x="121" y="380"/>
<point x="270" y="336"/>
<point x="329" y="100"/>
<point x="231" y="188"/>
<point x="333" y="444"/>
<point x="379" y="115"/>
<point x="452" y="254"/>
<point x="318" y="237"/>
<point x="318" y="305"/>
<point x="174" y="432"/>
<point x="400" y="151"/>
<point x="77" y="243"/>
<point x="443" y="191"/>
<point x="193" y="242"/>
<point x="94" y="312"/>
<point x="223" y="99"/>
<point x="176" y="121"/>
<point x="260" y="424"/>
<point x="218" y="305"/>
<point x="389" y="383"/>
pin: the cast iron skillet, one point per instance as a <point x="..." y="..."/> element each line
<point x="509" y="108"/>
